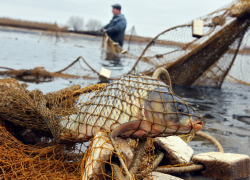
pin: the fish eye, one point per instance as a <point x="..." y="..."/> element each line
<point x="180" y="109"/>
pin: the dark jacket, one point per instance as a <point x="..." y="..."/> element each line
<point x="116" y="28"/>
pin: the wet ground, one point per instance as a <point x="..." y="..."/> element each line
<point x="226" y="112"/>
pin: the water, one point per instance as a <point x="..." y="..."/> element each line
<point x="25" y="50"/>
<point x="150" y="17"/>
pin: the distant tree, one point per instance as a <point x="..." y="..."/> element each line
<point x="76" y="23"/>
<point x="93" y="25"/>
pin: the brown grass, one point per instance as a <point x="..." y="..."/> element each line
<point x="30" y="24"/>
<point x="54" y="27"/>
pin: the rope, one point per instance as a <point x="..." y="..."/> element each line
<point x="162" y="74"/>
<point x="158" y="160"/>
<point x="213" y="140"/>
<point x="193" y="167"/>
<point x="173" y="170"/>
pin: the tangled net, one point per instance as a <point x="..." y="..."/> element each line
<point x="29" y="117"/>
<point x="40" y="161"/>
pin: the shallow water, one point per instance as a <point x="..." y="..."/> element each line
<point x="25" y="50"/>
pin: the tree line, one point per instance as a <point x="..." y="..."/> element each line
<point x="76" y="23"/>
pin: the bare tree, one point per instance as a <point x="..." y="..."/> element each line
<point x="76" y="23"/>
<point x="93" y="25"/>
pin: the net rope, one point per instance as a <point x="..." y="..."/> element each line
<point x="33" y="145"/>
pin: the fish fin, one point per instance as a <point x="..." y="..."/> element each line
<point x="114" y="125"/>
<point x="131" y="125"/>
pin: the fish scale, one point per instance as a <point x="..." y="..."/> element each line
<point x="129" y="99"/>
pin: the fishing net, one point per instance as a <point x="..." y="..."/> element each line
<point x="29" y="117"/>
<point x="140" y="103"/>
<point x="15" y="98"/>
<point x="109" y="45"/>
<point x="129" y="107"/>
<point x="36" y="74"/>
<point x="78" y="69"/>
<point x="220" y="55"/>
<point x="101" y="159"/>
<point x="41" y="161"/>
<point x="134" y="44"/>
<point x="58" y="151"/>
<point x="218" y="58"/>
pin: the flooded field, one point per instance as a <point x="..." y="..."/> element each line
<point x="226" y="112"/>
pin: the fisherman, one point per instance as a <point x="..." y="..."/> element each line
<point x="116" y="28"/>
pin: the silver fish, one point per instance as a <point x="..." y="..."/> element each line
<point x="135" y="107"/>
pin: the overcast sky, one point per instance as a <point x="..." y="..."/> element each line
<point x="150" y="17"/>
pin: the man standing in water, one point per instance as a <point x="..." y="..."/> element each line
<point x="116" y="28"/>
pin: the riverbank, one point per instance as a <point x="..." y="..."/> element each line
<point x="54" y="28"/>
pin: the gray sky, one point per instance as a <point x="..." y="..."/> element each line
<point x="150" y="17"/>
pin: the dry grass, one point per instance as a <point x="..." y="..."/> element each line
<point x="30" y="24"/>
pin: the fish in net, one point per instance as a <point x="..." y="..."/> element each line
<point x="133" y="106"/>
<point x="61" y="153"/>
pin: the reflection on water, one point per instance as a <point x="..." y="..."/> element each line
<point x="219" y="107"/>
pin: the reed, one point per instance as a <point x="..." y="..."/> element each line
<point x="31" y="24"/>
